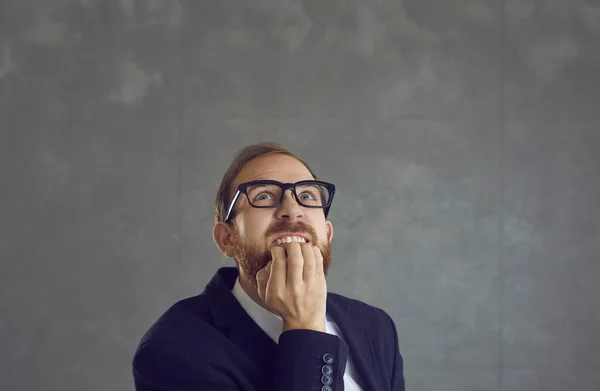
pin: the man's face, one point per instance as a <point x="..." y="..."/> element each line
<point x="255" y="228"/>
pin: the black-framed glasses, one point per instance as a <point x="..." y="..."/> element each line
<point x="269" y="194"/>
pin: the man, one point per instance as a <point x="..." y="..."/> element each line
<point x="269" y="323"/>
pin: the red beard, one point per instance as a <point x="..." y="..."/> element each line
<point x="251" y="258"/>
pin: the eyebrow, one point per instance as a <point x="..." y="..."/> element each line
<point x="262" y="185"/>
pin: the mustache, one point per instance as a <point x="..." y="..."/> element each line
<point x="286" y="226"/>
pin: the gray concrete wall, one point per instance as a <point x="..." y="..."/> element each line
<point x="463" y="137"/>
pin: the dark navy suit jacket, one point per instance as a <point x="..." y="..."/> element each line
<point x="208" y="342"/>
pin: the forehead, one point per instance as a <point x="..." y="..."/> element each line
<point x="278" y="167"/>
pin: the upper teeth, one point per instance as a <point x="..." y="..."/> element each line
<point x="290" y="239"/>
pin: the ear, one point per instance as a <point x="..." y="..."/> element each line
<point x="223" y="237"/>
<point x="329" y="229"/>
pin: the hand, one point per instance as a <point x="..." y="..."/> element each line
<point x="293" y="286"/>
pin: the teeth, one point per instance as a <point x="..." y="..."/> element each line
<point x="290" y="239"/>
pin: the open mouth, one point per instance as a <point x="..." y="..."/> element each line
<point x="290" y="239"/>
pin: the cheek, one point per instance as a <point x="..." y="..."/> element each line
<point x="255" y="228"/>
<point x="323" y="236"/>
<point x="321" y="230"/>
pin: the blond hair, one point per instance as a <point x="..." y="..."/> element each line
<point x="240" y="160"/>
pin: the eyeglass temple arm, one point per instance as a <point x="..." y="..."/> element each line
<point x="235" y="197"/>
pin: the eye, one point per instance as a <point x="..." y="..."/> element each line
<point x="263" y="197"/>
<point x="306" y="196"/>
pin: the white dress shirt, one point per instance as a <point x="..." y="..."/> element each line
<point x="272" y="325"/>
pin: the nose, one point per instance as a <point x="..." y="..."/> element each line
<point x="289" y="209"/>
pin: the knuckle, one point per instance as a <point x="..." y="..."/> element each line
<point x="276" y="297"/>
<point x="296" y="292"/>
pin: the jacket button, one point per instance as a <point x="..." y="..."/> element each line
<point x="326" y="380"/>
<point x="326" y="388"/>
<point x="328" y="358"/>
<point x="327" y="370"/>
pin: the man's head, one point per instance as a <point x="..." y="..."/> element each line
<point x="249" y="233"/>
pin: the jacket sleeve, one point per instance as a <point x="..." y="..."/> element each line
<point x="310" y="360"/>
<point x="305" y="359"/>
<point x="397" y="380"/>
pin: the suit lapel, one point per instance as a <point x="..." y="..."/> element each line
<point x="357" y="338"/>
<point x="238" y="326"/>
<point x="233" y="321"/>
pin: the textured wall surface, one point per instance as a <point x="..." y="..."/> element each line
<point x="463" y="137"/>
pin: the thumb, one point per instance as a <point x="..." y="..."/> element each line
<point x="262" y="278"/>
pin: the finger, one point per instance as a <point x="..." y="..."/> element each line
<point x="295" y="264"/>
<point x="278" y="269"/>
<point x="318" y="262"/>
<point x="309" y="262"/>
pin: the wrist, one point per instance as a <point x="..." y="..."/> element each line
<point x="312" y="325"/>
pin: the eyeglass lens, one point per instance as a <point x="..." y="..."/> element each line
<point x="310" y="195"/>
